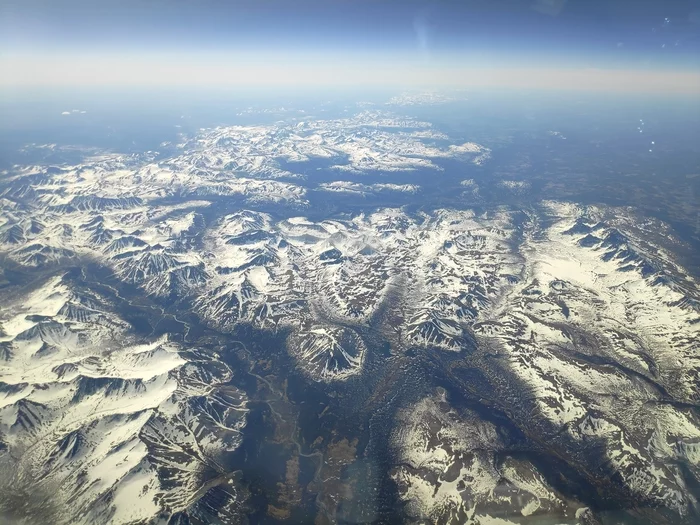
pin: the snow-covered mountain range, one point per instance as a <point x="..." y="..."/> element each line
<point x="586" y="318"/>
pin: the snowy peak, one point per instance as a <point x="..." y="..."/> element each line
<point x="328" y="352"/>
<point x="106" y="413"/>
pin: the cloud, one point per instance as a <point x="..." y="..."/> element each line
<point x="74" y="112"/>
<point x="254" y="71"/>
<point x="421" y="29"/>
<point x="549" y="7"/>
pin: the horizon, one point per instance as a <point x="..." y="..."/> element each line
<point x="541" y="44"/>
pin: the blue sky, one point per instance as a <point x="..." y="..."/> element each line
<point x="620" y="34"/>
<point x="546" y="26"/>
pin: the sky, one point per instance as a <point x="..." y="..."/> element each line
<point x="652" y="42"/>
